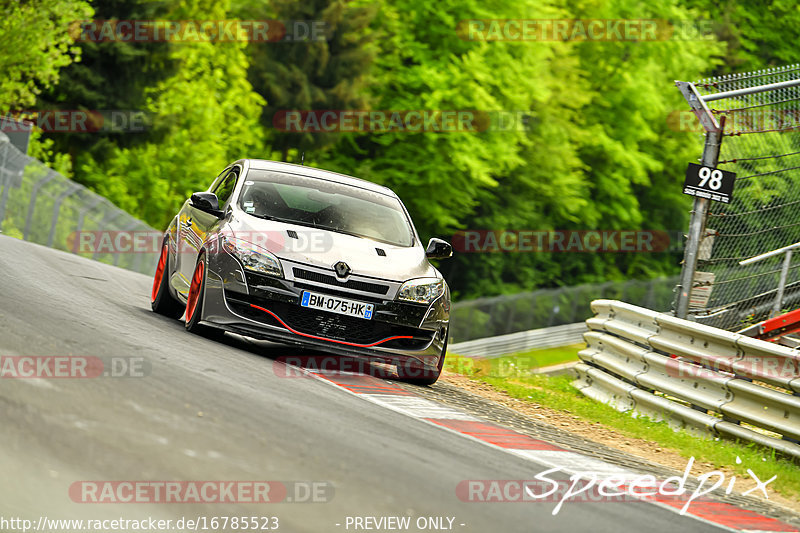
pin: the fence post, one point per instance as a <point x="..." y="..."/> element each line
<point x="57" y="209"/>
<point x="697" y="223"/>
<point x="51" y="174"/>
<point x="787" y="260"/>
<point x="5" y="183"/>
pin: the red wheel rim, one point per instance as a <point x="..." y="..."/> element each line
<point x="194" y="291"/>
<point x="162" y="263"/>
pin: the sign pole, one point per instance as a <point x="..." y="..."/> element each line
<point x="697" y="225"/>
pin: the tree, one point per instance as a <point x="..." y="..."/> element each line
<point x="113" y="75"/>
<point x="204" y="116"/>
<point x="37" y="39"/>
<point x="326" y="72"/>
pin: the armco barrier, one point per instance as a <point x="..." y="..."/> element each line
<point x="523" y="341"/>
<point x="696" y="377"/>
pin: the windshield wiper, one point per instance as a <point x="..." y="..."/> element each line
<point x="270" y="217"/>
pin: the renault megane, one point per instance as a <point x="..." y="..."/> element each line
<point x="301" y="255"/>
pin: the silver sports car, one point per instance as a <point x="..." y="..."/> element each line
<point x="301" y="255"/>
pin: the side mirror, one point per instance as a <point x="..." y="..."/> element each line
<point x="438" y="249"/>
<point x="206" y="202"/>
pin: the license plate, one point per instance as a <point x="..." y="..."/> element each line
<point x="333" y="304"/>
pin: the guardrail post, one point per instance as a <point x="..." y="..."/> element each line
<point x="700" y="210"/>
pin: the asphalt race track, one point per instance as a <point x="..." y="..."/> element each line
<point x="224" y="411"/>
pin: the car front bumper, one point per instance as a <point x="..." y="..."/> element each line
<point x="266" y="307"/>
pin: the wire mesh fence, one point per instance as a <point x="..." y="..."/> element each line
<point x="40" y="205"/>
<point x="500" y="315"/>
<point x="761" y="143"/>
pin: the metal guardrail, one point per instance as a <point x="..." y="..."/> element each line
<point x="696" y="377"/>
<point x="491" y="347"/>
<point x="544" y="308"/>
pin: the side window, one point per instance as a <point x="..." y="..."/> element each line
<point x="217" y="180"/>
<point x="225" y="188"/>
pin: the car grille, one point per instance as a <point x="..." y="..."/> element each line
<point x="364" y="286"/>
<point x="330" y="325"/>
<point x="333" y="326"/>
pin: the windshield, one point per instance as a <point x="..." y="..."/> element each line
<point x="323" y="204"/>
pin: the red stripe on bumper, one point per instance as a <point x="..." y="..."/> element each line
<point x="276" y="317"/>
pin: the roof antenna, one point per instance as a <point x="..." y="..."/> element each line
<point x="302" y="157"/>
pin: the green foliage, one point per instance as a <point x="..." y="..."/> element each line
<point x="112" y="75"/>
<point x="327" y="72"/>
<point x="591" y="146"/>
<point x="36" y="42"/>
<point x="204" y="116"/>
<point x="43" y="149"/>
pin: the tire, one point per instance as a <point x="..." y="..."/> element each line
<point x="432" y="377"/>
<point x="161" y="301"/>
<point x="194" y="303"/>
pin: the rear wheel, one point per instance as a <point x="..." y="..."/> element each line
<point x="194" y="303"/>
<point x="161" y="300"/>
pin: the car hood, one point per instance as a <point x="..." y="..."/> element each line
<point x="324" y="248"/>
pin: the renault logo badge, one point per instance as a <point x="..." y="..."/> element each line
<point x="342" y="270"/>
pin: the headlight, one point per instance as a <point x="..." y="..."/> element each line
<point x="253" y="257"/>
<point x="421" y="290"/>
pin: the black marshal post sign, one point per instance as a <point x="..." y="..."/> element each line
<point x="709" y="182"/>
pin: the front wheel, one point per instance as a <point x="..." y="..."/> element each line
<point x="194" y="303"/>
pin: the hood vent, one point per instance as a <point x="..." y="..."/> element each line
<point x="292" y="233"/>
<point x="381" y="252"/>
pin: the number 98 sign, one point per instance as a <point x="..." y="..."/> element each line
<point x="709" y="182"/>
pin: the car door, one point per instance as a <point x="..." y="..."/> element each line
<point x="196" y="224"/>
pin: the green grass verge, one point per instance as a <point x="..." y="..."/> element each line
<point x="512" y="365"/>
<point x="512" y="375"/>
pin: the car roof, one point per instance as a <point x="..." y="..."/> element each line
<point x="263" y="164"/>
